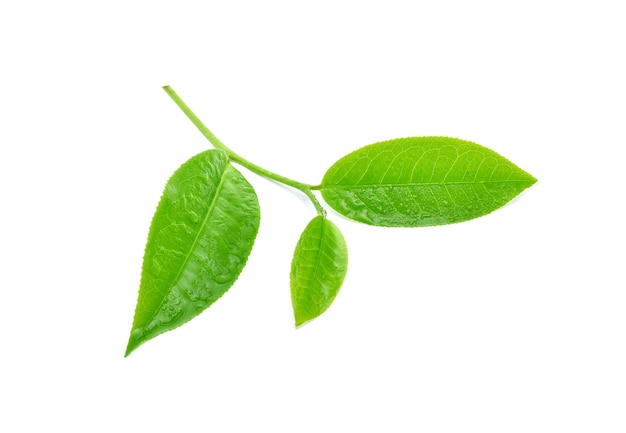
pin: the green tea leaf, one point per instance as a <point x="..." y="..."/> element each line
<point x="421" y="181"/>
<point x="319" y="266"/>
<point x="199" y="240"/>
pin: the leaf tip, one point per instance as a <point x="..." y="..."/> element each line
<point x="129" y="349"/>
<point x="303" y="318"/>
<point x="300" y="322"/>
<point x="531" y="180"/>
<point x="134" y="342"/>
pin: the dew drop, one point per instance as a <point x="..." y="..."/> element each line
<point x="156" y="267"/>
<point x="222" y="278"/>
<point x="193" y="217"/>
<point x="137" y="333"/>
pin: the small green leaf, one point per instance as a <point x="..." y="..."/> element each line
<point x="421" y="181"/>
<point x="318" y="268"/>
<point x="199" y="240"/>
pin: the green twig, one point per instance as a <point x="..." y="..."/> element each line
<point x="305" y="188"/>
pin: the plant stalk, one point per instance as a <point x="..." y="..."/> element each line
<point x="306" y="189"/>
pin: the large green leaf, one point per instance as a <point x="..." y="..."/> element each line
<point x="421" y="181"/>
<point x="318" y="268"/>
<point x="200" y="238"/>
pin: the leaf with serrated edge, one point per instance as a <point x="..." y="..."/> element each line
<point x="319" y="266"/>
<point x="421" y="181"/>
<point x="200" y="237"/>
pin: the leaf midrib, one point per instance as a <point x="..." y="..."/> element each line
<point x="318" y="256"/>
<point x="319" y="251"/>
<point x="195" y="242"/>
<point x="378" y="185"/>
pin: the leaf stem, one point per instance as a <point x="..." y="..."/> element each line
<point x="305" y="188"/>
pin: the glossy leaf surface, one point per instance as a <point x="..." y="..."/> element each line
<point x="199" y="240"/>
<point x="319" y="266"/>
<point x="421" y="181"/>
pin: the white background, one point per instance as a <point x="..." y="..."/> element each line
<point x="514" y="322"/>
